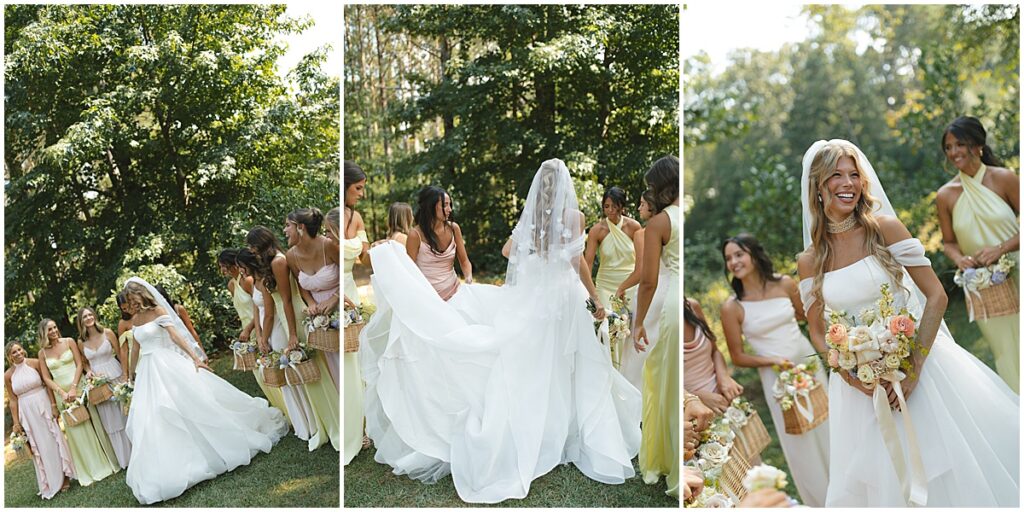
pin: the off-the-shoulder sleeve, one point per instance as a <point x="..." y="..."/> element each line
<point x="361" y="235"/>
<point x="806" y="285"/>
<point x="164" y="320"/>
<point x="909" y="253"/>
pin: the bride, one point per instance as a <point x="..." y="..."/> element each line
<point x="960" y="449"/>
<point x="185" y="423"/>
<point x="499" y="385"/>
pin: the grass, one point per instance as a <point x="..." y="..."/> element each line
<point x="370" y="484"/>
<point x="289" y="476"/>
<point x="965" y="333"/>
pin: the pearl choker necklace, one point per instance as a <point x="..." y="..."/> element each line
<point x="842" y="226"/>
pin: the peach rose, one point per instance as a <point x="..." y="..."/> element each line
<point x="833" y="358"/>
<point x="837" y="334"/>
<point x="901" y="324"/>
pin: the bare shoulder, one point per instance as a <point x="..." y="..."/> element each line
<point x="1004" y="176"/>
<point x="696" y="307"/>
<point x="730" y="307"/>
<point x="892" y="229"/>
<point x="788" y="283"/>
<point x="632" y="223"/>
<point x="159" y="311"/>
<point x="805" y="263"/>
<point x="949" y="191"/>
<point x="456" y="229"/>
<point x="598" y="229"/>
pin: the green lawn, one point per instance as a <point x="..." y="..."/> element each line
<point x="289" y="476"/>
<point x="966" y="335"/>
<point x="370" y="484"/>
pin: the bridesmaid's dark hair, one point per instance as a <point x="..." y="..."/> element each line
<point x="969" y="130"/>
<point x="310" y="218"/>
<point x="122" y="298"/>
<point x="748" y="244"/>
<point x="246" y="259"/>
<point x="353" y="173"/>
<point x="691" y="318"/>
<point x="264" y="245"/>
<point x="617" y="195"/>
<point x="426" y="202"/>
<point x="227" y="257"/>
<point x="663" y="181"/>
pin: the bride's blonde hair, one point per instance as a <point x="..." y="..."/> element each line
<point x="822" y="167"/>
<point x="134" y="289"/>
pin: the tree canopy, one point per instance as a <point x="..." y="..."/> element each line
<point x="473" y="98"/>
<point x="145" y="138"/>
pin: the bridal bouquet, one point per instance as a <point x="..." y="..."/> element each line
<point x="975" y="279"/>
<point x="123" y="394"/>
<point x="876" y="344"/>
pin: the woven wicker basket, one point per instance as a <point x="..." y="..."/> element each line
<point x="245" y="362"/>
<point x="75" y="416"/>
<point x="305" y="372"/>
<point x="100" y="394"/>
<point x="272" y="376"/>
<point x="995" y="301"/>
<point x="352" y="337"/>
<point x="752" y="438"/>
<point x="327" y="340"/>
<point x="733" y="473"/>
<point x="796" y="423"/>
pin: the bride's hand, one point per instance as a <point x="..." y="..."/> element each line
<point x="640" y="341"/>
<point x="200" y="364"/>
<point x="853" y="381"/>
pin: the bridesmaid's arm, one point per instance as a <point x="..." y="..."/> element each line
<point x="793" y="290"/>
<point x="79" y="366"/>
<point x="412" y="244"/>
<point x="284" y="286"/>
<point x="268" y="322"/>
<point x="593" y="240"/>
<point x="461" y="255"/>
<point x="732" y="325"/>
<point x="656" y="235"/>
<point x="12" y="401"/>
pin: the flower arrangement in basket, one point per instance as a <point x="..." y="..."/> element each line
<point x="123" y="394"/>
<point x="244" y="355"/>
<point x="267" y="365"/>
<point x="298" y="368"/>
<point x="754" y="479"/>
<point x="323" y="332"/>
<point x="19" y="445"/>
<point x="801" y="397"/>
<point x="75" y="412"/>
<point x="355" y="319"/>
<point x="723" y="465"/>
<point x="744" y="420"/>
<point x="874" y="346"/>
<point x="989" y="291"/>
<point x="97" y="388"/>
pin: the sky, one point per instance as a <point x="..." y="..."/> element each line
<point x="326" y="29"/>
<point x="720" y="27"/>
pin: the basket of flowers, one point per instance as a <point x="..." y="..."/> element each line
<point x="751" y="434"/>
<point x="322" y="332"/>
<point x="270" y="370"/>
<point x="244" y="355"/>
<point x="19" y="445"/>
<point x="801" y="397"/>
<point x="989" y="291"/>
<point x="75" y="413"/>
<point x="299" y="369"/>
<point x="354" y="323"/>
<point x="98" y="389"/>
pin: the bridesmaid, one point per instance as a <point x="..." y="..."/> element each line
<point x="436" y="242"/>
<point x="91" y="452"/>
<point x="240" y="287"/>
<point x="104" y="356"/>
<point x="34" y="412"/>
<point x="273" y="273"/>
<point x="612" y="238"/>
<point x="355" y="245"/>
<point x="313" y="260"/>
<point x="125" y="337"/>
<point x="399" y="223"/>
<point x="978" y="212"/>
<point x="632" y="365"/>
<point x="659" y="444"/>
<point x="272" y="335"/>
<point x="765" y="310"/>
<point x="705" y="373"/>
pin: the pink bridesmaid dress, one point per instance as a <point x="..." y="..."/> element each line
<point x="50" y="452"/>
<point x="322" y="284"/>
<point x="698" y="368"/>
<point x="439" y="269"/>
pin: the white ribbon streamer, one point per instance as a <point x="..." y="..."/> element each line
<point x="915" y="491"/>
<point x="807" y="411"/>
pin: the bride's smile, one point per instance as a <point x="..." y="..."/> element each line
<point x="844" y="187"/>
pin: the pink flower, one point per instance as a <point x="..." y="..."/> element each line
<point x="837" y="334"/>
<point x="901" y="324"/>
<point x="833" y="358"/>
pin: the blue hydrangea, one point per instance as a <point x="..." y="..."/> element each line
<point x="969" y="273"/>
<point x="998" y="277"/>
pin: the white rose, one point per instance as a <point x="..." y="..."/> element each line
<point x="718" y="501"/>
<point x="868" y="316"/>
<point x="981" y="279"/>
<point x="736" y="416"/>
<point x="714" y="454"/>
<point x="886" y="341"/>
<point x="847" y="360"/>
<point x="862" y="338"/>
<point x="892" y="361"/>
<point x="764" y="477"/>
<point x="866" y="374"/>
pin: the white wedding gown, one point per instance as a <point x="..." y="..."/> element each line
<point x="966" y="418"/>
<point x="498" y="385"/>
<point x="187" y="426"/>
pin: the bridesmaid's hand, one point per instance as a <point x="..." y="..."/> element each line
<point x="243" y="336"/>
<point x="620" y="292"/>
<point x="730" y="388"/>
<point x="987" y="255"/>
<point x="293" y="343"/>
<point x="264" y="345"/>
<point x="714" y="401"/>
<point x="966" y="262"/>
<point x="698" y="414"/>
<point x="72" y="393"/>
<point x="640" y="340"/>
<point x="348" y="303"/>
<point x="17" y="426"/>
<point x="765" y="498"/>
